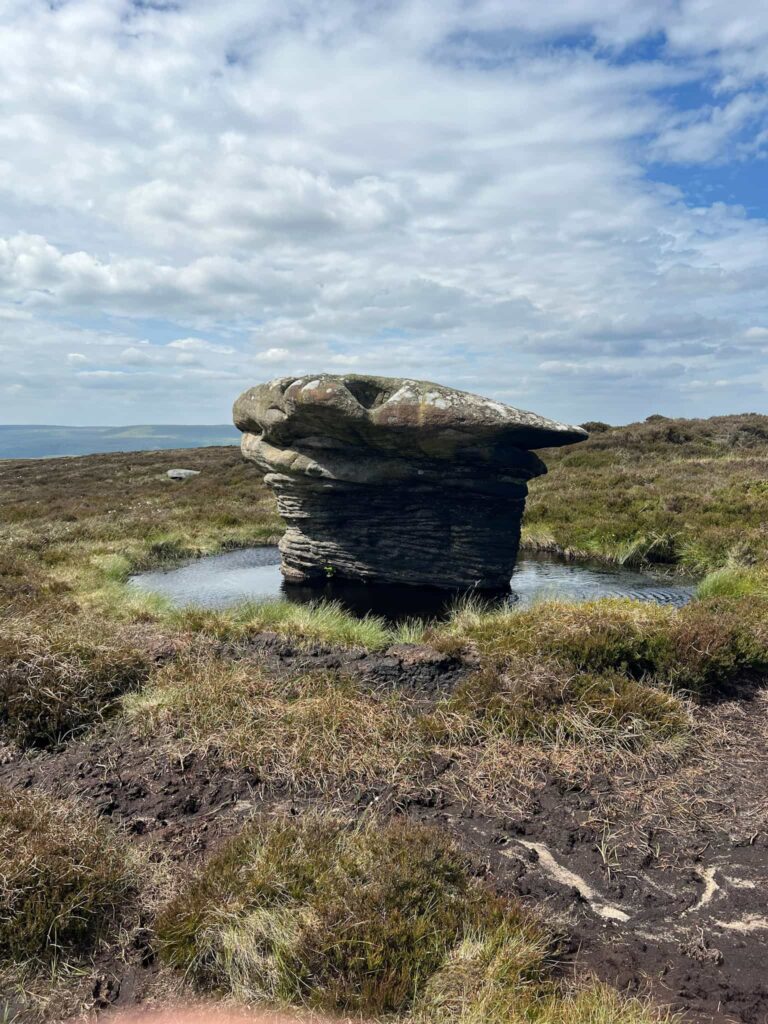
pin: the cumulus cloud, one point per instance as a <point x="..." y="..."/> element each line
<point x="275" y="355"/>
<point x="711" y="135"/>
<point x="197" y="196"/>
<point x="200" y="345"/>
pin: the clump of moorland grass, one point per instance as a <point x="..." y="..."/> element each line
<point x="327" y="732"/>
<point x="597" y="1004"/>
<point x="734" y="581"/>
<point x="486" y="979"/>
<point x="322" y="621"/>
<point x="24" y="584"/>
<point x="379" y="919"/>
<point x="699" y="647"/>
<point x="64" y="879"/>
<point x="59" y="676"/>
<point x="313" y="731"/>
<point x="547" y="703"/>
<point x="319" y="912"/>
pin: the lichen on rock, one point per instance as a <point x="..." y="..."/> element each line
<point x="395" y="480"/>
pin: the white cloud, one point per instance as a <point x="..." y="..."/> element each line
<point x="100" y="374"/>
<point x="709" y="135"/>
<point x="200" y="345"/>
<point x="274" y="355"/>
<point x="453" y="190"/>
<point x="136" y="356"/>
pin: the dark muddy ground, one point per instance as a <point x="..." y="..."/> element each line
<point x="660" y="882"/>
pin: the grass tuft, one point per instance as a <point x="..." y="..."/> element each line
<point x="496" y="977"/>
<point x="734" y="581"/>
<point x="316" y="731"/>
<point x="341" y="918"/>
<point x="64" y="879"/>
<point x="374" y="919"/>
<point x="61" y="676"/>
<point x="324" y="621"/>
<point x="547" y="703"/>
<point x="696" y="648"/>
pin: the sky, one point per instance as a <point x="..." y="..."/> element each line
<point x="561" y="204"/>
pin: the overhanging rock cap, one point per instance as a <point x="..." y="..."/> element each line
<point x="392" y="414"/>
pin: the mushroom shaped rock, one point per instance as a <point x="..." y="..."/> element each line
<point x="395" y="480"/>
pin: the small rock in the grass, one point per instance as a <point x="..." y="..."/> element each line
<point x="395" y="480"/>
<point x="182" y="474"/>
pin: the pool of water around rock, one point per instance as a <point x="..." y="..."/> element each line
<point x="253" y="574"/>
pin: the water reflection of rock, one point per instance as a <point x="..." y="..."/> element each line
<point x="395" y="480"/>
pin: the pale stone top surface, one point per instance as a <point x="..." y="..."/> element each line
<point x="393" y="415"/>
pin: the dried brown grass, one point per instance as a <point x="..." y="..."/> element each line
<point x="65" y="879"/>
<point x="314" y="731"/>
<point x="60" y="675"/>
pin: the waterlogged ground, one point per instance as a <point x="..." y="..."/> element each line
<point x="254" y="574"/>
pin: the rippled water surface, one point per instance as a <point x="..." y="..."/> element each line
<point x="253" y="574"/>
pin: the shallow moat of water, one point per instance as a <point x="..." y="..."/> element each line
<point x="253" y="574"/>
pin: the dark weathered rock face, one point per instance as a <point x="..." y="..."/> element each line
<point x="391" y="479"/>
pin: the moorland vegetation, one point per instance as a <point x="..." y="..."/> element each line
<point x="348" y="886"/>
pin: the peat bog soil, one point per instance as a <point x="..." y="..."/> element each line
<point x="672" y="906"/>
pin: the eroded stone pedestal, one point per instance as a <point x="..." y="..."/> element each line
<point x="395" y="480"/>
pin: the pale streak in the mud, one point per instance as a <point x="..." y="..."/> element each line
<point x="566" y="877"/>
<point x="751" y="923"/>
<point x="710" y="888"/>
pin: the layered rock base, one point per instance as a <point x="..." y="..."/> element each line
<point x="395" y="480"/>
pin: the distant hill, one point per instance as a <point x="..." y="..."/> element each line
<point x="37" y="442"/>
